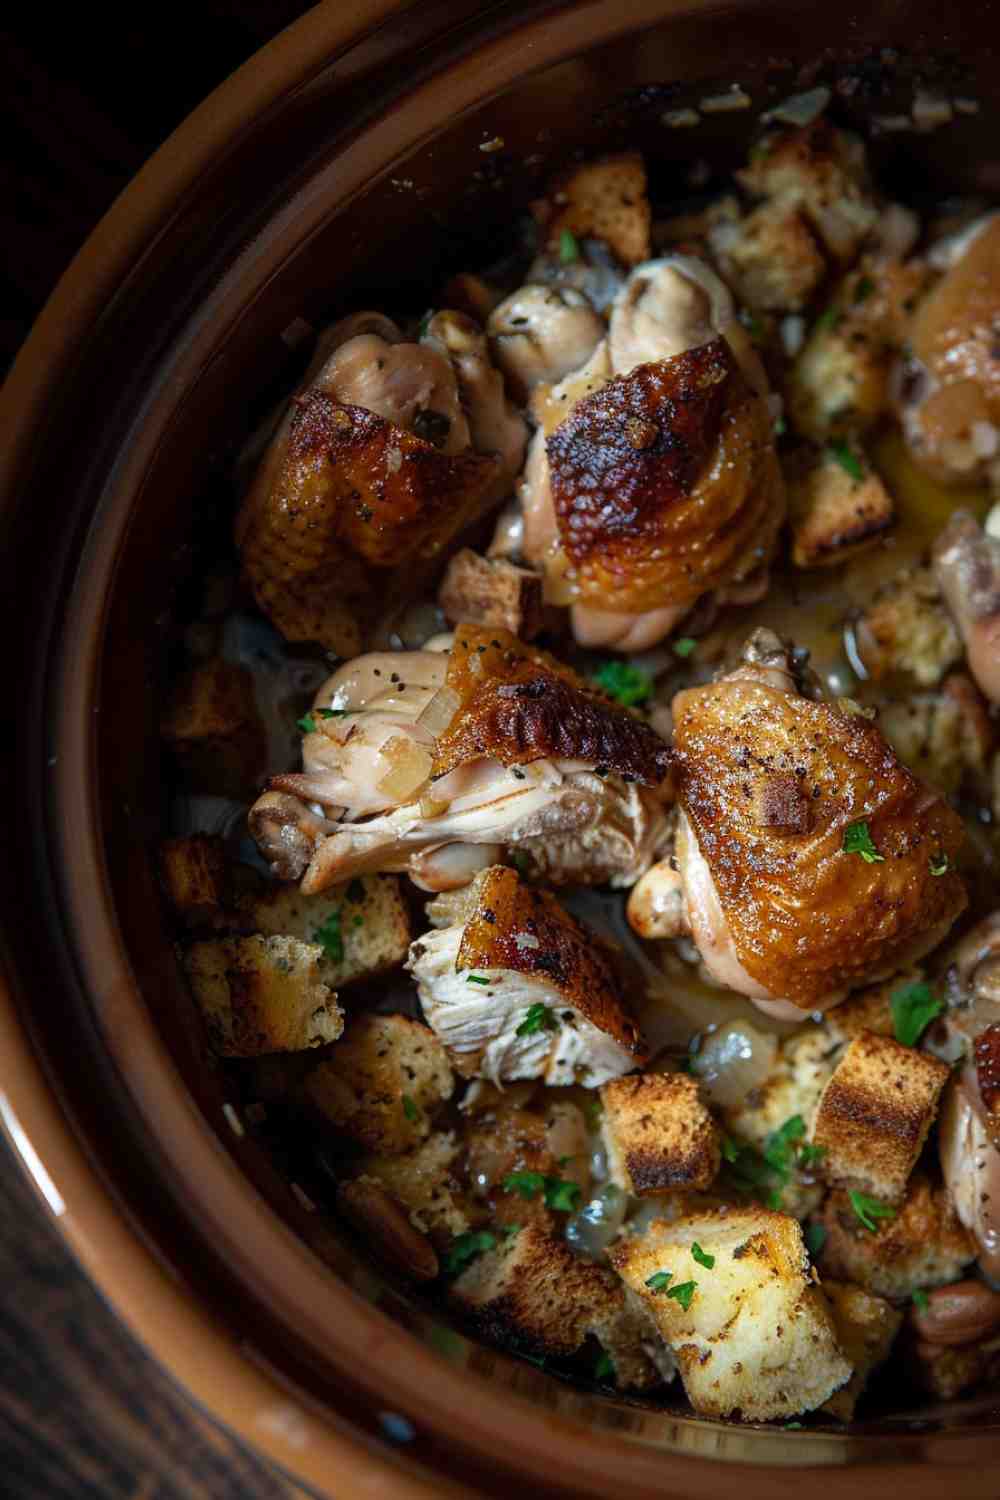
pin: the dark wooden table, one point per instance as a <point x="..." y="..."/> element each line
<point x="89" y="95"/>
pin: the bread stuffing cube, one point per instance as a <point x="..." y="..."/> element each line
<point x="601" y="200"/>
<point x="837" y="506"/>
<point x="874" y="1114"/>
<point x="907" y="629"/>
<point x="822" y="172"/>
<point x="193" y="870"/>
<point x="423" y="1182"/>
<point x="769" y="257"/>
<point x="492" y="591"/>
<point x="945" y="735"/>
<point x="919" y="1244"/>
<point x="869" y="1009"/>
<point x="383" y="1084"/>
<point x="212" y="726"/>
<point x="262" y="995"/>
<point x="866" y="1327"/>
<point x="946" y="1372"/>
<point x="658" y="1133"/>
<point x="362" y="925"/>
<point x="532" y="1294"/>
<point x="732" y="1295"/>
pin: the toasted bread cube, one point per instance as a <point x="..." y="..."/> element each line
<point x="770" y="257"/>
<point x="423" y="1182"/>
<point x="261" y="995"/>
<point x="533" y="1295"/>
<point x="821" y="171"/>
<point x="833" y="513"/>
<point x="944" y="736"/>
<point x="947" y="1371"/>
<point x="367" y="922"/>
<point x="600" y="200"/>
<point x="867" y="1010"/>
<point x="923" y="1245"/>
<point x="212" y="726"/>
<point x="865" y="1326"/>
<point x="658" y="1133"/>
<point x="492" y="591"/>
<point x="874" y="1114"/>
<point x="384" y="1083"/>
<point x="193" y="870"/>
<point x="757" y="1335"/>
<point x="839" y="383"/>
<point x="907" y="629"/>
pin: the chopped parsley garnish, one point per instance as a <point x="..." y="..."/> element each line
<point x="826" y="321"/>
<point x="779" y="1148"/>
<point x="604" y="1368"/>
<point x="422" y="326"/>
<point x="525" y="1184"/>
<point x="538" y="1018"/>
<point x="863" y="288"/>
<point x="466" y="1247"/>
<point x="476" y="979"/>
<point x="774" y="1199"/>
<point x="594" y="1111"/>
<point x="810" y="1154"/>
<point x="869" y="1209"/>
<point x="730" y="1150"/>
<point x="660" y="1280"/>
<point x="780" y="426"/>
<point x="355" y="891"/>
<point x="307" y="724"/>
<point x="683" y="1292"/>
<point x="920" y="1300"/>
<point x="703" y="1259"/>
<point x="509" y="1230"/>
<point x="793" y="1426"/>
<point x="858" y="840"/>
<point x="561" y="1195"/>
<point x="940" y="865"/>
<point x="569" y="249"/>
<point x="520" y="861"/>
<point x="628" y="684"/>
<point x="357" y="921"/>
<point x="410" y="1110"/>
<point x="913" y="1008"/>
<point x="843" y="454"/>
<point x="331" y="938"/>
<point x="685" y="645"/>
<point x="815" y="1238"/>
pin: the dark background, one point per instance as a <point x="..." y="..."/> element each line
<point x="83" y="1411"/>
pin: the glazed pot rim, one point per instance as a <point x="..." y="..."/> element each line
<point x="313" y="1444"/>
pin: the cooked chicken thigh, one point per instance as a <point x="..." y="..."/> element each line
<point x="967" y="568"/>
<point x="516" y="988"/>
<point x="491" y="744"/>
<point x="812" y="861"/>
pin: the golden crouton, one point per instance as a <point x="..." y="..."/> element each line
<point x="820" y="171"/>
<point x="422" y="1181"/>
<point x="838" y="384"/>
<point x="837" y="506"/>
<point x="752" y="1333"/>
<point x="945" y="736"/>
<point x="383" y="1085"/>
<point x="600" y="200"/>
<point x="532" y="1294"/>
<point x="865" y="1327"/>
<point x="769" y="257"/>
<point x="907" y="629"/>
<point x="874" y="1114"/>
<point x="658" y="1133"/>
<point x="261" y="994"/>
<point x="921" y="1245"/>
<point x="362" y="925"/>
<point x="492" y="591"/>
<point x="193" y="870"/>
<point x="212" y="726"/>
<point x="387" y="1228"/>
<point x="947" y="1371"/>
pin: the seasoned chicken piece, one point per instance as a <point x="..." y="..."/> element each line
<point x="751" y="1332"/>
<point x="908" y="629"/>
<point x="601" y="200"/>
<point x="865" y="1329"/>
<point x="658" y="1134"/>
<point x="810" y="856"/>
<point x="837" y="505"/>
<point x="653" y="478"/>
<point x="539" y="334"/>
<point x="820" y="172"/>
<point x="967" y="568"/>
<point x="494" y="743"/>
<point x="517" y="988"/>
<point x="920" y="1244"/>
<point x="950" y="401"/>
<point x="261" y="995"/>
<point x="371" y="473"/>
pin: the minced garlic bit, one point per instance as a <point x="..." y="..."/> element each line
<point x="233" y="1119"/>
<point x="680" y="119"/>
<point x="720" y="104"/>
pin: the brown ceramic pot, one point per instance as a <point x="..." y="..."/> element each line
<point x="340" y="167"/>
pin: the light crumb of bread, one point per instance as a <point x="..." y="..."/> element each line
<point x="601" y="200"/>
<point x="658" y="1133"/>
<point x="874" y="1114"/>
<point x="866" y="1327"/>
<point x="367" y="919"/>
<point x="756" y="1336"/>
<point x="922" y="1245"/>
<point x="424" y="1182"/>
<point x="383" y="1084"/>
<point x="260" y="995"/>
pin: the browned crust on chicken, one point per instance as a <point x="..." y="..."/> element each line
<point x="807" y="917"/>
<point x="554" y="947"/>
<point x="874" y="1114"/>
<point x="518" y="704"/>
<point x="659" y="1134"/>
<point x="348" y="491"/>
<point x="664" y="481"/>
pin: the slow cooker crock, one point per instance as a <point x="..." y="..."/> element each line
<point x="342" y="166"/>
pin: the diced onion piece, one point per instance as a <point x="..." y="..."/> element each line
<point x="439" y="712"/>
<point x="409" y="767"/>
<point x="734" y="1060"/>
<point x="592" y="1230"/>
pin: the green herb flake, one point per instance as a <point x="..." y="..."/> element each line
<point x="331" y="938"/>
<point x="569" y="249"/>
<point x="357" y="921"/>
<point x="685" y="646"/>
<point x="779" y="1148"/>
<point x="410" y="1110"/>
<point x="780" y="426"/>
<point x="683" y="1293"/>
<point x="863" y="288"/>
<point x="526" y="1185"/>
<point x="868" y="1210"/>
<point x="843" y="454"/>
<point x="920" y="1300"/>
<point x="628" y="684"/>
<point x="827" y="321"/>
<point x="941" y="865"/>
<point x="703" y="1259"/>
<point x="913" y="1008"/>
<point x="307" y="724"/>
<point x="774" y="1200"/>
<point x="424" y="323"/>
<point x="604" y="1368"/>
<point x="809" y="1154"/>
<point x="467" y="1247"/>
<point x="858" y="840"/>
<point x="476" y="979"/>
<point x="793" y="1426"/>
<point x="509" y="1230"/>
<point x="815" y="1238"/>
<point x="355" y="892"/>
<point x="660" y="1280"/>
<point x="561" y="1195"/>
<point x="520" y="861"/>
<point x="730" y="1150"/>
<point x="538" y="1018"/>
